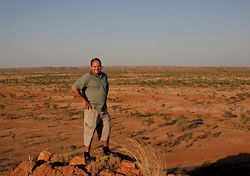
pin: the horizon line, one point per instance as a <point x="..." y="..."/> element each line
<point x="110" y="66"/>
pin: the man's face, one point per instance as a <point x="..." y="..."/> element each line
<point x="96" y="67"/>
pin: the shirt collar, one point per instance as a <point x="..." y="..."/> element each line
<point x="101" y="74"/>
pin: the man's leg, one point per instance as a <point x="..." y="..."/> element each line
<point x="105" y="132"/>
<point x="105" y="143"/>
<point x="90" y="117"/>
<point x="87" y="142"/>
<point x="86" y="148"/>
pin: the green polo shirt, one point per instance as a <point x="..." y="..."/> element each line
<point x="96" y="89"/>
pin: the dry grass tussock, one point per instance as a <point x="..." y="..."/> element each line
<point x="108" y="163"/>
<point x="149" y="160"/>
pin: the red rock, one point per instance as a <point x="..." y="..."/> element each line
<point x="66" y="170"/>
<point x="129" y="168"/>
<point x="135" y="171"/>
<point x="44" y="156"/>
<point x="77" y="161"/>
<point x="44" y="170"/>
<point x="128" y="164"/>
<point x="24" y="168"/>
<point x="118" y="174"/>
<point x="80" y="172"/>
<point x="57" y="173"/>
<point x="88" y="167"/>
<point x="122" y="170"/>
<point x="106" y="173"/>
<point x="47" y="169"/>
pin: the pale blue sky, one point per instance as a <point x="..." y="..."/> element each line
<point x="124" y="32"/>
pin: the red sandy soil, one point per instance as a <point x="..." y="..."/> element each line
<point x="28" y="125"/>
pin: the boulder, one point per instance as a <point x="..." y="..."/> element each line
<point x="44" y="156"/>
<point x="77" y="161"/>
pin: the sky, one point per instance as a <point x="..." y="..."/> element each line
<point x="55" y="33"/>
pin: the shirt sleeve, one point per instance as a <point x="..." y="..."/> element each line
<point x="81" y="82"/>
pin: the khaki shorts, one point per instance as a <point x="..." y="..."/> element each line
<point x="96" y="120"/>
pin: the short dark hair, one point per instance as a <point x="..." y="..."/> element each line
<point x="95" y="59"/>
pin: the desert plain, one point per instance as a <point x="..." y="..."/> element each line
<point x="193" y="115"/>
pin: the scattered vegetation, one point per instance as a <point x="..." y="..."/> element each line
<point x="149" y="121"/>
<point x="181" y="122"/>
<point x="12" y="135"/>
<point x="229" y="114"/>
<point x="2" y="106"/>
<point x="60" y="158"/>
<point x="108" y="163"/>
<point x="44" y="94"/>
<point x="245" y="119"/>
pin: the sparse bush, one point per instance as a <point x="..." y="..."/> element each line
<point x="170" y="141"/>
<point x="229" y="114"/>
<point x="181" y="123"/>
<point x="109" y="163"/>
<point x="149" y="121"/>
<point x="60" y="158"/>
<point x="163" y="105"/>
<point x="245" y="119"/>
<point x="55" y="106"/>
<point x="70" y="114"/>
<point x="166" y="117"/>
<point x="12" y="95"/>
<point x="2" y="106"/>
<point x="137" y="114"/>
<point x="216" y="134"/>
<point x="203" y="136"/>
<point x="2" y="95"/>
<point x="12" y="135"/>
<point x="195" y="123"/>
<point x="46" y="104"/>
<point x="114" y="108"/>
<point x="73" y="147"/>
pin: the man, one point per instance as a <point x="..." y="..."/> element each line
<point x="92" y="88"/>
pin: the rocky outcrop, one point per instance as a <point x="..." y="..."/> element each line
<point x="45" y="165"/>
<point x="49" y="164"/>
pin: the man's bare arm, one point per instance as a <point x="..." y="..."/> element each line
<point x="82" y="97"/>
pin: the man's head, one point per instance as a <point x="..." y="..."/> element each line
<point x="95" y="66"/>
